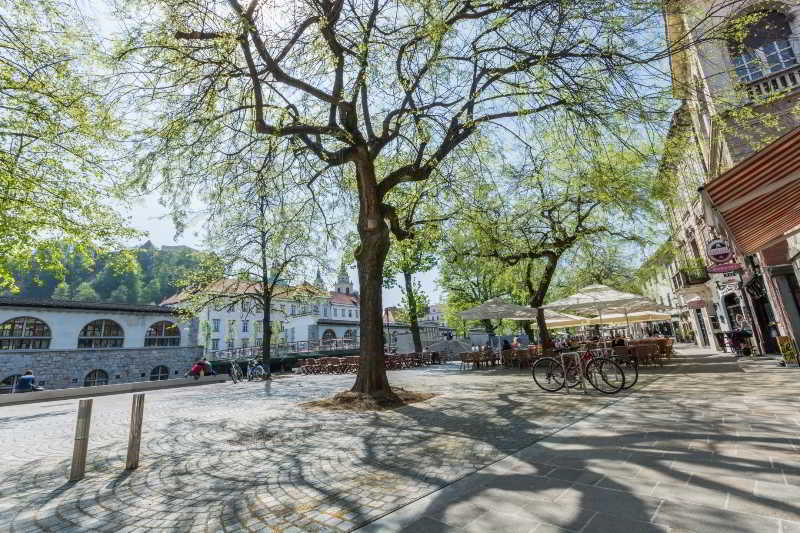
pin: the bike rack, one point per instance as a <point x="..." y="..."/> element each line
<point x="579" y="360"/>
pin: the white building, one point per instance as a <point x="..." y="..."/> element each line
<point x="70" y="343"/>
<point x="300" y="314"/>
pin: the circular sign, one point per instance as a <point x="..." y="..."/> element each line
<point x="718" y="251"/>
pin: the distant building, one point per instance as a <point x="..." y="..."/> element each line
<point x="72" y="344"/>
<point x="300" y="314"/>
<point x="397" y="333"/>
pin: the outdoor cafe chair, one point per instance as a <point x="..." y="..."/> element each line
<point x="464" y="357"/>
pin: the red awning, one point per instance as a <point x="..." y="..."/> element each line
<point x="759" y="199"/>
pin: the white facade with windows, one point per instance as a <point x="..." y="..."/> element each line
<point x="319" y="315"/>
<point x="73" y="344"/>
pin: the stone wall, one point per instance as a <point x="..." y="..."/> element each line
<point x="68" y="368"/>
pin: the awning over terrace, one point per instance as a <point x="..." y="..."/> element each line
<point x="498" y="308"/>
<point x="756" y="202"/>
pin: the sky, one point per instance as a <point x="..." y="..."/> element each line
<point x="148" y="216"/>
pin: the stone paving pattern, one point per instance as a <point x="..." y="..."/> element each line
<point x="711" y="447"/>
<point x="698" y="446"/>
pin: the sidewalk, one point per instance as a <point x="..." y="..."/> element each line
<point x="705" y="448"/>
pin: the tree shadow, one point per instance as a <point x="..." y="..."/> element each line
<point x="455" y="460"/>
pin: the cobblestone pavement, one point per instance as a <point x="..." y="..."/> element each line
<point x="712" y="446"/>
<point x="698" y="446"/>
<point x="240" y="458"/>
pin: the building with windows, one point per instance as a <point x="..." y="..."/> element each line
<point x="734" y="156"/>
<point x="397" y="332"/>
<point x="73" y="344"/>
<point x="300" y="314"/>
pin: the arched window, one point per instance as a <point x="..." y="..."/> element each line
<point x="348" y="334"/>
<point x="163" y="333"/>
<point x="24" y="333"/>
<point x="763" y="47"/>
<point x="101" y="334"/>
<point x="10" y="379"/>
<point x="96" y="377"/>
<point x="329" y="335"/>
<point x="158" y="373"/>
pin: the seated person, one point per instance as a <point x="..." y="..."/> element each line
<point x="26" y="383"/>
<point x="506" y="344"/>
<point x="619" y="341"/>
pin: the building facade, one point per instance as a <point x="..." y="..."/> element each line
<point x="300" y="315"/>
<point x="739" y="87"/>
<point x="73" y="344"/>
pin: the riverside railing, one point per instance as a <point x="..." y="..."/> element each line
<point x="284" y="349"/>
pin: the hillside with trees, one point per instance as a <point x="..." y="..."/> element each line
<point x="143" y="275"/>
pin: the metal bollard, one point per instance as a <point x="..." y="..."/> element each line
<point x="78" y="467"/>
<point x="135" y="435"/>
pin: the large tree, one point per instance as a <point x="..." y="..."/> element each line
<point x="352" y="83"/>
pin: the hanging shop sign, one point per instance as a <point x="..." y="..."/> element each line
<point x="727" y="267"/>
<point x="719" y="251"/>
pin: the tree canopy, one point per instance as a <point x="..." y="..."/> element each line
<point x="56" y="128"/>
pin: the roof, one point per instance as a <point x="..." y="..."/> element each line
<point x="758" y="197"/>
<point x="15" y="301"/>
<point x="236" y="287"/>
<point x="343" y="299"/>
<point x="390" y="315"/>
<point x="334" y="322"/>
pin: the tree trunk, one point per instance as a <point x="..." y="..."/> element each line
<point x="370" y="256"/>
<point x="488" y="325"/>
<point x="537" y="298"/>
<point x="412" y="307"/>
<point x="266" y="336"/>
<point x="526" y="326"/>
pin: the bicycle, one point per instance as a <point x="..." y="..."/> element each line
<point x="255" y="370"/>
<point x="602" y="373"/>
<point x="235" y="372"/>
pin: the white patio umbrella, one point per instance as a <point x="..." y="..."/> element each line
<point x="498" y="308"/>
<point x="602" y="298"/>
<point x="630" y="318"/>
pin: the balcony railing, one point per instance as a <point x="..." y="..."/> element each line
<point x="687" y="276"/>
<point x="783" y="81"/>
<point x="284" y="349"/>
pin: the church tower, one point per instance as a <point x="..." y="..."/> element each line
<point x="343" y="284"/>
<point x="318" y="282"/>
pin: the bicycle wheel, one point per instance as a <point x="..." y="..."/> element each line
<point x="605" y="375"/>
<point x="548" y="374"/>
<point x="257" y="373"/>
<point x="631" y="368"/>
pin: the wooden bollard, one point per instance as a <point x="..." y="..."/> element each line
<point x="135" y="435"/>
<point x="78" y="467"/>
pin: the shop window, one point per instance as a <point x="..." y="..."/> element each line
<point x="24" y="333"/>
<point x="159" y="373"/>
<point x="101" y="334"/>
<point x="96" y="377"/>
<point x="163" y="333"/>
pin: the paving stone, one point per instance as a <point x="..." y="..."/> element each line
<point x="488" y="448"/>
<point x="683" y="516"/>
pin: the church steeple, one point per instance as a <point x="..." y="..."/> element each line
<point x="318" y="282"/>
<point x="343" y="283"/>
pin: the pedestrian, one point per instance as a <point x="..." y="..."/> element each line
<point x="197" y="369"/>
<point x="26" y="383"/>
